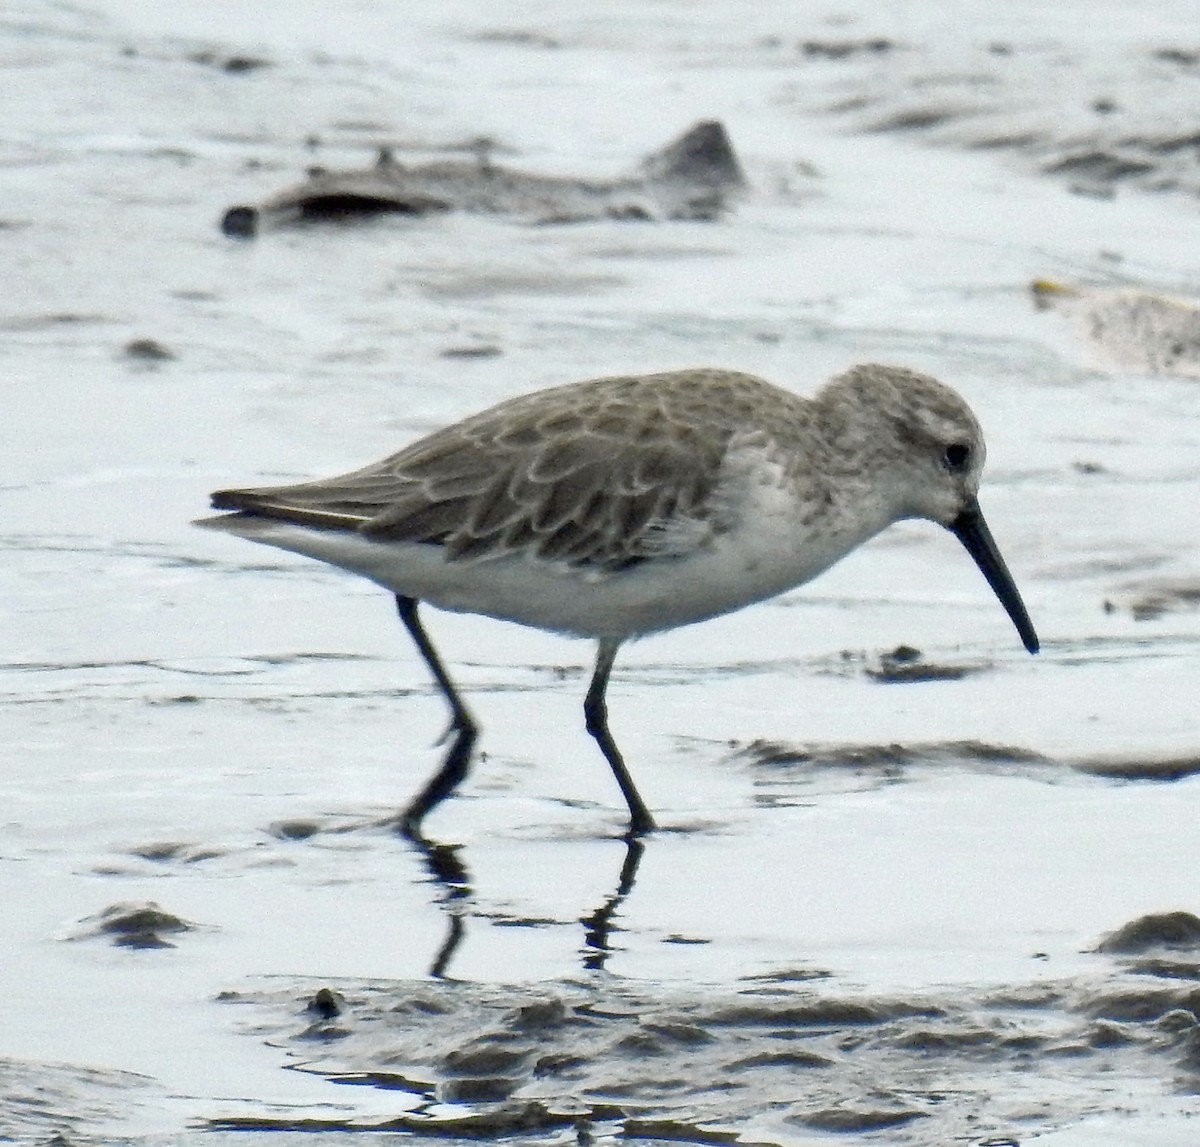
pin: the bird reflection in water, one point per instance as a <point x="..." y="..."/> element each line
<point x="598" y="927"/>
<point x="448" y="872"/>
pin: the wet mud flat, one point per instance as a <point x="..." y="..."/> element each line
<point x="44" y="1102"/>
<point x="785" y="1056"/>
<point x="211" y="933"/>
<point x="1102" y="115"/>
<point x="775" y="1058"/>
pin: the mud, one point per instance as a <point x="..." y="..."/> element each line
<point x="133" y="925"/>
<point x="57" y="1104"/>
<point x="1129" y="125"/>
<point x="697" y="176"/>
<point x="895" y="761"/>
<point x="757" y="1063"/>
<point x="878" y="926"/>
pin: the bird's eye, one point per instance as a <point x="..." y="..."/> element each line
<point x="956" y="456"/>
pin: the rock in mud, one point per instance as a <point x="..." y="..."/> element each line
<point x="697" y="176"/>
<point x="1159" y="930"/>
<point x="148" y="351"/>
<point x="326" y="1004"/>
<point x="905" y="664"/>
<point x="135" y="925"/>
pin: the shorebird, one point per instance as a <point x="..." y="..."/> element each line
<point x="619" y="507"/>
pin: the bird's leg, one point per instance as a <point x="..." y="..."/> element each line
<point x="595" y="712"/>
<point x="462" y="730"/>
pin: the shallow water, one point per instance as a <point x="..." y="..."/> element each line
<point x="940" y="841"/>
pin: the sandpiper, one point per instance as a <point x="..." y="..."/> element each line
<point x="618" y="507"/>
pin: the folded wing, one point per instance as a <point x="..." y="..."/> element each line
<point x="602" y="488"/>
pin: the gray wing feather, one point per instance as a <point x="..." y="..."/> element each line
<point x="598" y="487"/>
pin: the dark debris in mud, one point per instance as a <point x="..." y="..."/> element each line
<point x="517" y="37"/>
<point x="297" y="829"/>
<point x="906" y="664"/>
<point x="175" y="852"/>
<point x="148" y="351"/>
<point x="232" y="64"/>
<point x="603" y="1055"/>
<point x="845" y="49"/>
<point x="471" y="351"/>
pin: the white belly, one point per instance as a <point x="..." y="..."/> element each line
<point x="763" y="554"/>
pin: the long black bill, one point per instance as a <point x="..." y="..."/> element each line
<point x="970" y="529"/>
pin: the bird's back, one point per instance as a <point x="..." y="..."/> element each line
<point x="589" y="473"/>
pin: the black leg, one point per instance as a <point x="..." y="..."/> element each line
<point x="595" y="712"/>
<point x="462" y="730"/>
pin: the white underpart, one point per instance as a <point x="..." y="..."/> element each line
<point x="760" y="548"/>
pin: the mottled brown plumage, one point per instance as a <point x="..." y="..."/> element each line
<point x="586" y="474"/>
